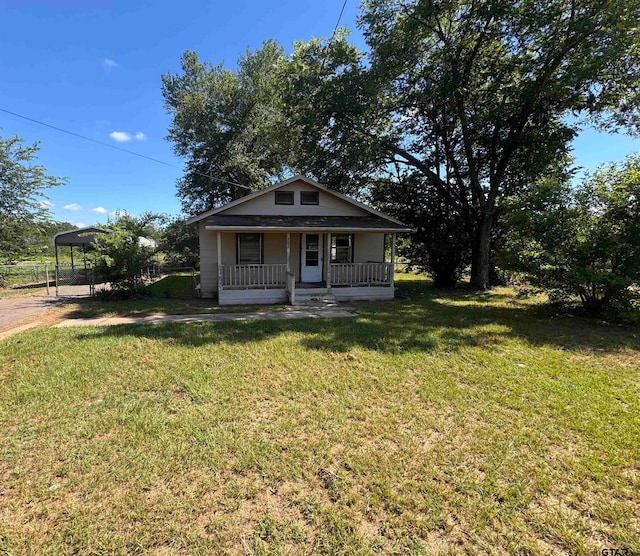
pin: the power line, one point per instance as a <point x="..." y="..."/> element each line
<point x="324" y="58"/>
<point x="344" y="5"/>
<point x="74" y="134"/>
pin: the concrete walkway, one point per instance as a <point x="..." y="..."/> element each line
<point x="288" y="314"/>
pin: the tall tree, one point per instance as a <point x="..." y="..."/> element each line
<point x="222" y="120"/>
<point x="22" y="185"/>
<point x="477" y="96"/>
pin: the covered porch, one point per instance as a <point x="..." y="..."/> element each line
<point x="298" y="265"/>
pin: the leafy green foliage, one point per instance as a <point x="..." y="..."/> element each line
<point x="180" y="243"/>
<point x="583" y="242"/>
<point x="23" y="215"/>
<point x="222" y="121"/>
<point x="120" y="257"/>
<point x="439" y="245"/>
<point x="473" y="96"/>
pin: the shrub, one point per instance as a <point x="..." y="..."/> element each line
<point x="121" y="257"/>
<point x="581" y="242"/>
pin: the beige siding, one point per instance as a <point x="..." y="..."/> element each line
<point x="208" y="261"/>
<point x="209" y="258"/>
<point x="368" y="248"/>
<point x="329" y="205"/>
<point x="275" y="248"/>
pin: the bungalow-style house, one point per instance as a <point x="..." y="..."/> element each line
<point x="292" y="242"/>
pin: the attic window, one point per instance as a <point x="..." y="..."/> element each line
<point x="309" y="197"/>
<point x="284" y="197"/>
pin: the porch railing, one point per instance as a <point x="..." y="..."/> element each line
<point x="361" y="274"/>
<point x="254" y="275"/>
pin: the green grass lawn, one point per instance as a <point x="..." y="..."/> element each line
<point x="438" y="423"/>
<point x="170" y="295"/>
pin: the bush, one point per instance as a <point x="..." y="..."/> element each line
<point x="122" y="294"/>
<point x="580" y="243"/>
<point x="120" y="257"/>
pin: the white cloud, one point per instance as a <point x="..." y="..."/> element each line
<point x="72" y="206"/>
<point x="79" y="224"/>
<point x="44" y="204"/>
<point x="120" y="136"/>
<point x="114" y="213"/>
<point x="140" y="136"/>
<point x="109" y="63"/>
<point x="99" y="210"/>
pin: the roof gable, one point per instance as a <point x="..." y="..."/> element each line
<point x="306" y="180"/>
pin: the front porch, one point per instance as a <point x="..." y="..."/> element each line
<point x="287" y="282"/>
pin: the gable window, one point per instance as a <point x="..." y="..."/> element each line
<point x="342" y="248"/>
<point x="249" y="248"/>
<point x="309" y="197"/>
<point x="284" y="197"/>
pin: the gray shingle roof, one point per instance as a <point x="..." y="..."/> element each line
<point x="325" y="222"/>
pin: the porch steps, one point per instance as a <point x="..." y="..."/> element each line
<point x="322" y="298"/>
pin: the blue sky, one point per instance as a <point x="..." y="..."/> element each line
<point x="94" y="67"/>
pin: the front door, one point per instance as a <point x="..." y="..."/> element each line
<point x="311" y="260"/>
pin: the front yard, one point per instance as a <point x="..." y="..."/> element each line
<point x="434" y="424"/>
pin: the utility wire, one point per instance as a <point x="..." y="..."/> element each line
<point x="73" y="133"/>
<point x="344" y="5"/>
<point x="324" y="58"/>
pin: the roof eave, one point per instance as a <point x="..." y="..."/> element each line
<point x="349" y="229"/>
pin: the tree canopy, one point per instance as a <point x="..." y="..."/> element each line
<point x="473" y="96"/>
<point x="221" y="123"/>
<point x="472" y="100"/>
<point x="23" y="214"/>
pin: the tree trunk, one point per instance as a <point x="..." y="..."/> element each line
<point x="481" y="254"/>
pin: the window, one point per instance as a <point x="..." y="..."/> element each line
<point x="284" y="197"/>
<point x="342" y="248"/>
<point x="309" y="197"/>
<point x="249" y="248"/>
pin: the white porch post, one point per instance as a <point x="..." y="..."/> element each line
<point x="328" y="260"/>
<point x="393" y="258"/>
<point x="288" y="251"/>
<point x="220" y="280"/>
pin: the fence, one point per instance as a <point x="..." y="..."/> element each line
<point x="26" y="276"/>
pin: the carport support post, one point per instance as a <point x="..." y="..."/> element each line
<point x="393" y="258"/>
<point x="219" y="245"/>
<point x="55" y="248"/>
<point x="71" y="248"/>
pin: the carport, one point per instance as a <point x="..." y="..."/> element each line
<point x="83" y="240"/>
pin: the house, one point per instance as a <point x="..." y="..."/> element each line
<point x="296" y="240"/>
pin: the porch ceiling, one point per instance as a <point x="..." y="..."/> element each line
<point x="369" y="223"/>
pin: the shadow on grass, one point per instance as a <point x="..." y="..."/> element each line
<point x="426" y="320"/>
